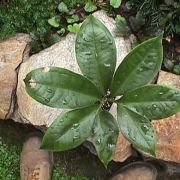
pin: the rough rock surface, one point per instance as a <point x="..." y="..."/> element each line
<point x="169" y="79"/>
<point x="168" y="130"/>
<point x="12" y="52"/>
<point x="61" y="54"/>
<point x="123" y="149"/>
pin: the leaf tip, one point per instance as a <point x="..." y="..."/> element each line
<point x="25" y="80"/>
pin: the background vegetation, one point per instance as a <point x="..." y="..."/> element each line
<point x="12" y="137"/>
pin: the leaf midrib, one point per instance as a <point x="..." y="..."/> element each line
<point x="71" y="89"/>
<point x="96" y="58"/>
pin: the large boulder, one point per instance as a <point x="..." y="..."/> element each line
<point x="12" y="53"/>
<point x="168" y="130"/>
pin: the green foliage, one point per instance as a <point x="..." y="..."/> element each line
<point x="169" y="65"/>
<point x="137" y="129"/>
<point x="145" y="60"/>
<point x="159" y="15"/>
<point x="176" y="69"/>
<point x="31" y="16"/>
<point x="122" y="26"/>
<point x="62" y="7"/>
<point x="74" y="28"/>
<point x="70" y="130"/>
<point x="9" y="161"/>
<point x="59" y="174"/>
<point x="54" y="22"/>
<point x="27" y="16"/>
<point x="45" y="27"/>
<point x="68" y="95"/>
<point x="96" y="64"/>
<point x="115" y="3"/>
<point x="103" y="140"/>
<point x="137" y="104"/>
<point x="155" y="100"/>
<point x="90" y="7"/>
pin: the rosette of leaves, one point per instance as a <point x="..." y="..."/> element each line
<point x="91" y="95"/>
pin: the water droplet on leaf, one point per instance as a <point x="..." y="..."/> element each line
<point x="61" y="120"/>
<point x="110" y="145"/>
<point x="75" y="125"/>
<point x="75" y="138"/>
<point x="49" y="90"/>
<point x="154" y="106"/>
<point x="111" y="130"/>
<point x="47" y="100"/>
<point x="102" y="40"/>
<point x="85" y="38"/>
<point x="64" y="102"/>
<point x="87" y="53"/>
<point x="107" y="65"/>
<point x="140" y="69"/>
<point x="99" y="141"/>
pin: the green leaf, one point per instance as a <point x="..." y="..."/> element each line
<point x="72" y="19"/>
<point x="137" y="129"/>
<point x="176" y="69"/>
<point x="115" y="3"/>
<point x="90" y="7"/>
<point x="60" y="88"/>
<point x="122" y="27"/>
<point x="104" y="136"/>
<point x="168" y="64"/>
<point x="61" y="31"/>
<point x="74" y="28"/>
<point x="54" y="22"/>
<point x="54" y="38"/>
<point x="153" y="101"/>
<point x="139" y="67"/>
<point x="70" y="130"/>
<point x="96" y="53"/>
<point x="62" y="7"/>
